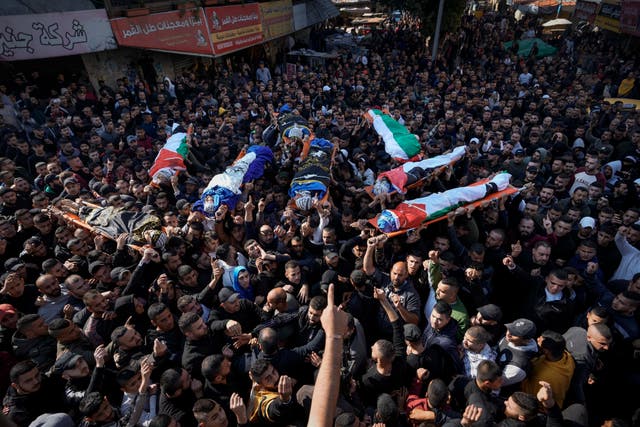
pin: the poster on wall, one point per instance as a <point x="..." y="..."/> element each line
<point x="277" y="19"/>
<point x="234" y="27"/>
<point x="47" y="35"/>
<point x="176" y="31"/>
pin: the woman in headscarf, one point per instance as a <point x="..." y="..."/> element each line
<point x="242" y="283"/>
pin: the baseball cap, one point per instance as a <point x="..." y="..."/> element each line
<point x="523" y="328"/>
<point x="227" y="295"/>
<point x="490" y="312"/>
<point x="326" y="88"/>
<point x="519" y="152"/>
<point x="578" y="143"/>
<point x="66" y="361"/>
<point x="532" y="169"/>
<point x="70" y="180"/>
<point x="587" y="222"/>
<point x="131" y="138"/>
<point x="411" y="332"/>
<point x="6" y="309"/>
<point x="474" y="141"/>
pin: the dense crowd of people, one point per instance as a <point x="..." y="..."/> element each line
<point x="521" y="312"/>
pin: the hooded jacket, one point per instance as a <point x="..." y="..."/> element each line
<point x="42" y="350"/>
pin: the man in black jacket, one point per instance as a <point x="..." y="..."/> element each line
<point x="236" y="310"/>
<point x="179" y="391"/>
<point x="549" y="302"/>
<point x="32" y="341"/>
<point x="30" y="394"/>
<point x="199" y="343"/>
<point x="165" y="330"/>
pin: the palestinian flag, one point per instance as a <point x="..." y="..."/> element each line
<point x="171" y="158"/>
<point x="410" y="172"/>
<point x="412" y="213"/>
<point x="399" y="143"/>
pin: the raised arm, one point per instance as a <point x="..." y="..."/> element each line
<point x="327" y="387"/>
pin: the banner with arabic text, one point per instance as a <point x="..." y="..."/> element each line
<point x="175" y="31"/>
<point x="277" y="19"/>
<point x="609" y="16"/>
<point x="630" y="18"/>
<point x="47" y="35"/>
<point x="234" y="27"/>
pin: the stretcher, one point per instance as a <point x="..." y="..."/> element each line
<point x="420" y="217"/>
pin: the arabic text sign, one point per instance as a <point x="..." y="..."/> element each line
<point x="609" y="17"/>
<point x="234" y="27"/>
<point x="277" y="19"/>
<point x="630" y="18"/>
<point x="48" y="35"/>
<point x="178" y="31"/>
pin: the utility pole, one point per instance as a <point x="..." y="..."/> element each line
<point x="436" y="37"/>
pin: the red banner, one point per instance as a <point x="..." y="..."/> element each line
<point x="176" y="31"/>
<point x="234" y="27"/>
<point x="630" y="18"/>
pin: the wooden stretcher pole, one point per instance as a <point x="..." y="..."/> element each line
<point x="75" y="220"/>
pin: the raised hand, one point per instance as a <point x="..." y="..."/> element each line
<point x="285" y="388"/>
<point x="508" y="262"/>
<point x="471" y="415"/>
<point x="334" y="321"/>
<point x="516" y="249"/>
<point x="237" y="406"/>
<point x="545" y="395"/>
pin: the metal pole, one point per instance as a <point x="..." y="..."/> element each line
<point x="436" y="37"/>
